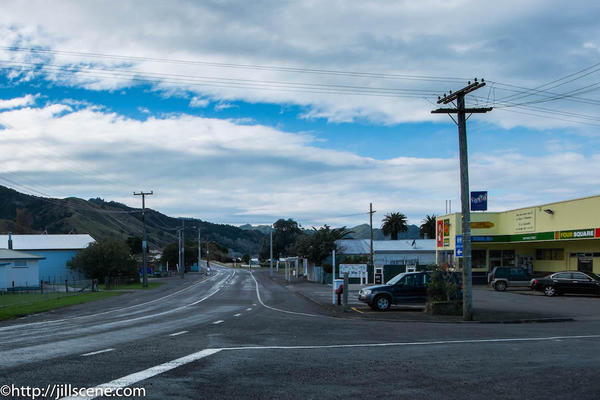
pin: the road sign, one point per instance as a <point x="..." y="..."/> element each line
<point x="458" y="249"/>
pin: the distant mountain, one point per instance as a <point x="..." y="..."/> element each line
<point x="363" y="232"/>
<point x="22" y="213"/>
<point x="265" y="229"/>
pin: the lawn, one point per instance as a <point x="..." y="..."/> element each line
<point x="134" y="286"/>
<point x="18" y="305"/>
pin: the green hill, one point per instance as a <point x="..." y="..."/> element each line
<point x="23" y="213"/>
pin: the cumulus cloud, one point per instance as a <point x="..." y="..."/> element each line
<point x="223" y="171"/>
<point x="24" y="101"/>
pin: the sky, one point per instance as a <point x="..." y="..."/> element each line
<point x="246" y="112"/>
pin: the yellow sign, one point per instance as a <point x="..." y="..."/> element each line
<point x="482" y="225"/>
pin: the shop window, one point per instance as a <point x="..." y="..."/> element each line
<point x="508" y="258"/>
<point x="549" y="254"/>
<point x="478" y="259"/>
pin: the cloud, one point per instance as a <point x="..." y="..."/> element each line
<point x="199" y="102"/>
<point x="223" y="171"/>
<point x="24" y="101"/>
<point x="524" y="45"/>
<point x="224" y="106"/>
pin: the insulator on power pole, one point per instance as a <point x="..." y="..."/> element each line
<point x="475" y="80"/>
<point x="450" y="91"/>
<point x="469" y="82"/>
<point x="439" y="98"/>
<point x="482" y="80"/>
<point x="444" y="95"/>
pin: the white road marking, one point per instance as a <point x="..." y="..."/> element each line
<point x="236" y="315"/>
<point x="96" y="352"/>
<point x="277" y="309"/>
<point x="254" y="304"/>
<point x="178" y="333"/>
<point x="109" y="311"/>
<point x="218" y="322"/>
<point x="159" y="369"/>
<point x="148" y="373"/>
<point x="248" y="309"/>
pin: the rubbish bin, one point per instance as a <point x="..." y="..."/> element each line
<point x="336" y="285"/>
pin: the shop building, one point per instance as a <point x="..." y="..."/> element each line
<point x="542" y="239"/>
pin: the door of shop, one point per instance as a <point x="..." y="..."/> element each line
<point x="585" y="263"/>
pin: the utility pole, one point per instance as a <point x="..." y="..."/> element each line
<point x="371" y="212"/>
<point x="465" y="197"/>
<point x="199" y="251"/>
<point x="182" y="269"/>
<point x="179" y="250"/>
<point x="271" y="252"/>
<point x="145" y="239"/>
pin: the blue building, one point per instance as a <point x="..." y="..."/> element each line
<point x="56" y="251"/>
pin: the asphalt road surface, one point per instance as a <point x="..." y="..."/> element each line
<point x="240" y="335"/>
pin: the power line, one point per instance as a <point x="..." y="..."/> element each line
<point x="234" y="65"/>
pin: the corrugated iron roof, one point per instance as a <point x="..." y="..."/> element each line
<point x="47" y="242"/>
<point x="362" y="246"/>
<point x="6" y="254"/>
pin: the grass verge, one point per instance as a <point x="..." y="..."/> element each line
<point x="45" y="304"/>
<point x="134" y="286"/>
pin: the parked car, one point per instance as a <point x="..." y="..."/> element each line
<point x="503" y="277"/>
<point x="404" y="288"/>
<point x="567" y="282"/>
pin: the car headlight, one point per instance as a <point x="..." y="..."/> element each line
<point x="366" y="292"/>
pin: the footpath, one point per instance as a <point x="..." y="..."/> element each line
<point x="489" y="306"/>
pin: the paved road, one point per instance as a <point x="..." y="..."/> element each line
<point x="238" y="335"/>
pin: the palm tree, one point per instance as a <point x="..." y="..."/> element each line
<point x="394" y="223"/>
<point x="427" y="228"/>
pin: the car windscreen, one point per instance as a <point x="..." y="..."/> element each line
<point x="395" y="279"/>
<point x="593" y="276"/>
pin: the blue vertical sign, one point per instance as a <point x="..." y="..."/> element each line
<point x="479" y="201"/>
<point x="458" y="248"/>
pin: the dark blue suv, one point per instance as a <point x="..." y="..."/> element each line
<point x="407" y="287"/>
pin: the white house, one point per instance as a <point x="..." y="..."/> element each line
<point x="392" y="252"/>
<point x="18" y="269"/>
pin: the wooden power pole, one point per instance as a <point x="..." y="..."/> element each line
<point x="371" y="224"/>
<point x="465" y="197"/>
<point x="145" y="239"/>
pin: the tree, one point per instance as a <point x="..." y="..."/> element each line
<point x="427" y="228"/>
<point x="105" y="258"/>
<point x="320" y="243"/>
<point x="246" y="258"/>
<point x="23" y="221"/>
<point x="285" y="233"/>
<point x="394" y="223"/>
<point x="135" y="244"/>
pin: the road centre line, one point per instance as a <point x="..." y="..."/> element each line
<point x="178" y="333"/>
<point x="218" y="322"/>
<point x="96" y="352"/>
<point x="248" y="309"/>
<point x="236" y="315"/>
<point x="136" y="377"/>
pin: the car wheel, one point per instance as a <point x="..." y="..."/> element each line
<point x="382" y="303"/>
<point x="549" y="291"/>
<point x="500" y="286"/>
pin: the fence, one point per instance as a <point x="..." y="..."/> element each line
<point x="44" y="291"/>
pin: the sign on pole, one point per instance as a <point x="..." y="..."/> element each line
<point x="479" y="201"/>
<point x="353" y="270"/>
<point x="458" y="248"/>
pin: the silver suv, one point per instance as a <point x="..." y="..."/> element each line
<point x="502" y="277"/>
